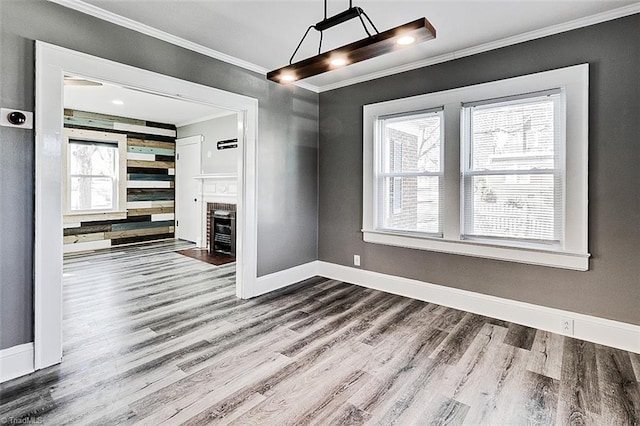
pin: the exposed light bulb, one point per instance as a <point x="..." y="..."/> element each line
<point x="406" y="40"/>
<point x="288" y="77"/>
<point x="338" y="62"/>
<point x="117" y="102"/>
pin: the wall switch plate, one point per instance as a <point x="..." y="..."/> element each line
<point x="5" y="121"/>
<point x="566" y="326"/>
<point x="356" y="259"/>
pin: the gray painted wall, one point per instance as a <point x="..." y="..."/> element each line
<point x="611" y="288"/>
<point x="287" y="144"/>
<point x="215" y="160"/>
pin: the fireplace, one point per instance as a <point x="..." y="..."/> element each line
<point x="223" y="238"/>
<point x="216" y="192"/>
<point x="221" y="228"/>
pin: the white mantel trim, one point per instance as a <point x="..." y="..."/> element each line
<point x="219" y="176"/>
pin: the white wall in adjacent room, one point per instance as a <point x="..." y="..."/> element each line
<point x="214" y="130"/>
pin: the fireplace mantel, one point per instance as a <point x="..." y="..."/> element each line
<point x="214" y="188"/>
<point x="218" y="188"/>
<point x="217" y="176"/>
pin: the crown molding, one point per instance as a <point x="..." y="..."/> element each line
<point x="114" y="18"/>
<point x="485" y="47"/>
<point x="105" y="15"/>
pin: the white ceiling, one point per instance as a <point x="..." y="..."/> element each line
<point x="265" y="33"/>
<point x="138" y="105"/>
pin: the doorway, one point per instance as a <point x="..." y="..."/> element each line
<point x="52" y="62"/>
<point x="188" y="152"/>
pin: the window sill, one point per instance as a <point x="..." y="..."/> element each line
<point x="92" y="217"/>
<point x="531" y="256"/>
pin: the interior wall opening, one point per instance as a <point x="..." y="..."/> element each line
<point x="176" y="167"/>
<point x="143" y="210"/>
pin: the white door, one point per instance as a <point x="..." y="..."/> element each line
<point x="187" y="206"/>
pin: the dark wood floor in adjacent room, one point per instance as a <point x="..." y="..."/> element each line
<point x="204" y="255"/>
<point x="153" y="337"/>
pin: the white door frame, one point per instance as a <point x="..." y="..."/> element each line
<point x="189" y="140"/>
<point x="52" y="62"/>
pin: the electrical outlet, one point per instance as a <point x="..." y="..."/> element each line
<point x="566" y="326"/>
<point x="356" y="259"/>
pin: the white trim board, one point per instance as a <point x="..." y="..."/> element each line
<point x="150" y="31"/>
<point x="593" y="329"/>
<point x="51" y="64"/>
<point x="572" y="160"/>
<point x="287" y="277"/>
<point x="586" y="327"/>
<point x="16" y="361"/>
<point x="105" y="15"/>
<point x="493" y="45"/>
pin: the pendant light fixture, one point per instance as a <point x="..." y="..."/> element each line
<point x="373" y="45"/>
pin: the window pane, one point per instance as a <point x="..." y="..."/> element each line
<point x="92" y="159"/>
<point x="512" y="206"/>
<point x="412" y="143"/>
<point x="514" y="135"/>
<point x="91" y="193"/>
<point x="412" y="203"/>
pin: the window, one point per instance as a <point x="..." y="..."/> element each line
<point x="512" y="170"/>
<point x="496" y="170"/>
<point x="93" y="176"/>
<point x="410" y="176"/>
<point x="95" y="182"/>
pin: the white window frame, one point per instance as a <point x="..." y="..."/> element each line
<point x="572" y="253"/>
<point x="120" y="212"/>
<point x="397" y="181"/>
<point x="381" y="175"/>
<point x="557" y="171"/>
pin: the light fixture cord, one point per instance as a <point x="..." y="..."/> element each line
<point x="361" y="13"/>
<point x="300" y="44"/>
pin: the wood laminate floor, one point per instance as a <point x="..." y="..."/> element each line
<point x="152" y="337"/>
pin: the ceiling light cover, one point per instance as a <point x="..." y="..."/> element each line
<point x="376" y="45"/>
<point x="338" y="62"/>
<point x="405" y="40"/>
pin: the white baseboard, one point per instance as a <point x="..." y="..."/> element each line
<point x="16" y="361"/>
<point x="280" y="279"/>
<point x="593" y="329"/>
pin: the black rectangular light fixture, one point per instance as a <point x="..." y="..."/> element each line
<point x="375" y="45"/>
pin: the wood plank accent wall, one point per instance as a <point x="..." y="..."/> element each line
<point x="150" y="184"/>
